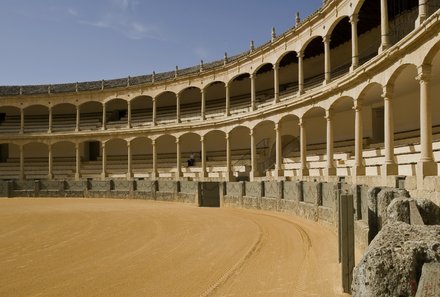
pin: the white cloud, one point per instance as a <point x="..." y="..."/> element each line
<point x="72" y="12"/>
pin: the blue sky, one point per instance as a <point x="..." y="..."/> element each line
<point x="55" y="41"/>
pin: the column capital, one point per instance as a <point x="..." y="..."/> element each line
<point x="276" y="66"/>
<point x="202" y="138"/>
<point x="178" y="95"/>
<point x="77" y="145"/>
<point x="301" y="122"/>
<point x="252" y="76"/>
<point x="128" y="102"/>
<point x="357" y="105"/>
<point x="153" y="141"/>
<point x="202" y="91"/>
<point x="387" y="91"/>
<point x="424" y="73"/>
<point x="326" y="39"/>
<point x="328" y="114"/>
<point x="354" y="18"/>
<point x="128" y="143"/>
<point x="300" y="54"/>
<point x="177" y="140"/>
<point x="251" y="132"/>
<point x="277" y="127"/>
<point x="227" y="136"/>
<point x="103" y="143"/>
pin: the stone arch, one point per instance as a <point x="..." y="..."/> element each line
<point x="117" y="113"/>
<point x="117" y="157"/>
<point x="215" y="94"/>
<point x="264" y="83"/>
<point x="10" y="117"/>
<point x="36" y="165"/>
<point x="141" y="110"/>
<point x="313" y="50"/>
<point x="166" y="107"/>
<point x="36" y="118"/>
<point x="90" y="115"/>
<point x="239" y="92"/>
<point x="288" y="73"/>
<point x="190" y="103"/>
<point x="63" y="117"/>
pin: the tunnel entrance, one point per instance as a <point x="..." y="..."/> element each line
<point x="209" y="194"/>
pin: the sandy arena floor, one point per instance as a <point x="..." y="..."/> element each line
<point x="87" y="247"/>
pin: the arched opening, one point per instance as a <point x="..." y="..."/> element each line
<point x="215" y="94"/>
<point x="340" y="48"/>
<point x="288" y="74"/>
<point x="369" y="30"/>
<point x="9" y="161"/>
<point x="36" y="165"/>
<point x="90" y="116"/>
<point x="10" y="118"/>
<point x="64" y="160"/>
<point x="142" y="151"/>
<point x="141" y="111"/>
<point x="36" y="118"/>
<point x="290" y="142"/>
<point x="190" y="146"/>
<point x="166" y="108"/>
<point x="215" y="145"/>
<point x="315" y="127"/>
<point x="240" y="95"/>
<point x="91" y="161"/>
<point x="166" y="156"/>
<point x="264" y="85"/>
<point x="117" y="158"/>
<point x="63" y="117"/>
<point x="314" y="63"/>
<point x="402" y="16"/>
<point x="116" y="110"/>
<point x="190" y="104"/>
<point x="264" y="135"/>
<point x="240" y="145"/>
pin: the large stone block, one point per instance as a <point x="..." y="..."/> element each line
<point x="399" y="210"/>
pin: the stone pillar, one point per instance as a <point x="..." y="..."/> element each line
<point x="50" y="163"/>
<point x="178" y="158"/>
<point x="154" y="118"/>
<point x="203" y="156"/>
<point x="253" y="172"/>
<point x="129" y="162"/>
<point x="300" y="56"/>
<point x="128" y="114"/>
<point x="390" y="166"/>
<point x="21" y="121"/>
<point x="22" y="175"/>
<point x="384" y="26"/>
<point x="278" y="152"/>
<point x="253" y="93"/>
<point x="104" y="161"/>
<point x="228" y="99"/>
<point x="427" y="165"/>
<point x="178" y="108"/>
<point x="328" y="68"/>
<point x="304" y="171"/>
<point x="330" y="169"/>
<point x="354" y="42"/>
<point x="203" y="110"/>
<point x="276" y="83"/>
<point x="228" y="158"/>
<point x="78" y="119"/>
<point x="154" y="174"/>
<point x="49" y="129"/>
<point x="77" y="162"/>
<point x="359" y="167"/>
<point x="423" y="12"/>
<point x="104" y="116"/>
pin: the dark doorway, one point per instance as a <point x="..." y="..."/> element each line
<point x="209" y="194"/>
<point x="378" y="124"/>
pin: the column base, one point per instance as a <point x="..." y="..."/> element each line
<point x="50" y="176"/>
<point x="178" y="175"/>
<point x="229" y="176"/>
<point x="300" y="92"/>
<point x="304" y="172"/>
<point x="389" y="169"/>
<point x="383" y="47"/>
<point x="426" y="168"/>
<point x="419" y="21"/>
<point x="22" y="177"/>
<point x="252" y="176"/>
<point x="129" y="175"/>
<point x="154" y="175"/>
<point x="77" y="176"/>
<point x="358" y="170"/>
<point x="278" y="172"/>
<point x="103" y="175"/>
<point x="330" y="171"/>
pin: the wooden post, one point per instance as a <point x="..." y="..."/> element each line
<point x="346" y="220"/>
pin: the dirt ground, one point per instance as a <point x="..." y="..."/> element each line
<point x="102" y="247"/>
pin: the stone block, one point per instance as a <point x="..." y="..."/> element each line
<point x="429" y="284"/>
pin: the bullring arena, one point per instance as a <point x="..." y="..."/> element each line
<point x="342" y="106"/>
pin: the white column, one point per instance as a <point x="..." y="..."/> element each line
<point x="203" y="111"/>
<point x="228" y="101"/>
<point x="77" y="162"/>
<point x="179" y="162"/>
<point x="354" y="42"/>
<point x="104" y="116"/>
<point x="153" y="118"/>
<point x="276" y="83"/>
<point x="384" y="26"/>
<point x="128" y="114"/>
<point x="50" y="163"/>
<point x="253" y="173"/>
<point x="49" y="130"/>
<point x="21" y="121"/>
<point x="178" y="107"/>
<point x="154" y="174"/>
<point x="203" y="156"/>
<point x="330" y="169"/>
<point x="278" y="152"/>
<point x="253" y="93"/>
<point x="423" y="12"/>
<point x="328" y="68"/>
<point x="129" y="159"/>
<point x="358" y="168"/>
<point x="300" y="56"/>
<point x="390" y="166"/>
<point x="104" y="161"/>
<point x="228" y="159"/>
<point x="78" y="118"/>
<point x="22" y="175"/>
<point x="427" y="165"/>
<point x="304" y="171"/>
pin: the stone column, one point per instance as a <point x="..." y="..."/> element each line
<point x="390" y="166"/>
<point x="129" y="162"/>
<point x="49" y="129"/>
<point x="104" y="161"/>
<point x="203" y="110"/>
<point x="22" y="175"/>
<point x="427" y="165"/>
<point x="253" y="93"/>
<point x="78" y="118"/>
<point x="359" y="167"/>
<point x="50" y="163"/>
<point x="330" y="169"/>
<point x="276" y="83"/>
<point x="178" y="108"/>
<point x="21" y="121"/>
<point x="278" y="152"/>
<point x="304" y="171"/>
<point x="154" y="116"/>
<point x="203" y="156"/>
<point x="228" y="99"/>
<point x="354" y="42"/>
<point x="328" y="68"/>
<point x="384" y="26"/>
<point x="104" y="116"/>
<point x="423" y="12"/>
<point x="253" y="173"/>
<point x="228" y="158"/>
<point x="154" y="174"/>
<point x="77" y="162"/>
<point x="178" y="158"/>
<point x="300" y="56"/>
<point x="128" y="114"/>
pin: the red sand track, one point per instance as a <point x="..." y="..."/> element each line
<point x="87" y="247"/>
